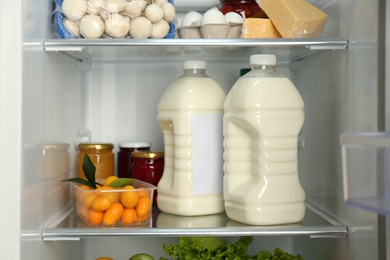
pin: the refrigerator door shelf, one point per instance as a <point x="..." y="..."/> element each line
<point x="366" y="168"/>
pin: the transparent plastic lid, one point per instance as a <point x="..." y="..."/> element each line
<point x="263" y="59"/>
<point x="194" y="64"/>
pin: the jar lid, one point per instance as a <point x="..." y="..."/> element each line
<point x="95" y="146"/>
<point x="56" y="146"/>
<point x="147" y="154"/>
<point x="134" y="144"/>
<point x="59" y="148"/>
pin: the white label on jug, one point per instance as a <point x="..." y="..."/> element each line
<point x="207" y="154"/>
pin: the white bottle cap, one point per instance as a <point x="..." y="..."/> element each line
<point x="134" y="144"/>
<point x="263" y="59"/>
<point x="194" y="64"/>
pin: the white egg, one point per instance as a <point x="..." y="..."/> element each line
<point x="233" y="17"/>
<point x="191" y="18"/>
<point x="213" y="16"/>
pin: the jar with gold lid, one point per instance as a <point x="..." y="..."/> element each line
<point x="102" y="157"/>
<point x="148" y="167"/>
<point x="246" y="8"/>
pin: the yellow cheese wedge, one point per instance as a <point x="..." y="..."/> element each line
<point x="295" y="18"/>
<point x="259" y="28"/>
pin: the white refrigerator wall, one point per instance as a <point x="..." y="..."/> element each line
<point x="46" y="98"/>
<point x="10" y="126"/>
<point x="387" y="103"/>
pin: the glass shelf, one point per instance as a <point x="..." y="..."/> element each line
<point x="126" y="50"/>
<point x="315" y="224"/>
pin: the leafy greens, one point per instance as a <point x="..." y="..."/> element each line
<point x="213" y="248"/>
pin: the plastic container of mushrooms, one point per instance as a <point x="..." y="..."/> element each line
<point x="114" y="19"/>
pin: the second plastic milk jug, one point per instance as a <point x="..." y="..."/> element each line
<point x="190" y="115"/>
<point x="262" y="120"/>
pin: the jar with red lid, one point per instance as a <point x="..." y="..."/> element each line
<point x="148" y="167"/>
<point x="246" y="8"/>
<point x="125" y="160"/>
<point x="102" y="157"/>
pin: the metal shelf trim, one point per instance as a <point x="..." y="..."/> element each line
<point x="78" y="44"/>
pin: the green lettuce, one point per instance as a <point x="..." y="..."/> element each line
<point x="214" y="248"/>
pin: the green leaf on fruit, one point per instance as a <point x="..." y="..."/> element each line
<point x="89" y="169"/>
<point x="121" y="182"/>
<point x="89" y="172"/>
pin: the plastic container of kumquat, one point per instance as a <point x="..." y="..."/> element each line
<point x="106" y="206"/>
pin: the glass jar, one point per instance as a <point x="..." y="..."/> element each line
<point x="56" y="160"/>
<point x="125" y="160"/>
<point x="246" y="8"/>
<point x="148" y="167"/>
<point x="101" y="156"/>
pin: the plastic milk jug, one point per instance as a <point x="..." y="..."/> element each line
<point x="190" y="115"/>
<point x="262" y="120"/>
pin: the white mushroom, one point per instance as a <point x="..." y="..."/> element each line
<point x="154" y="13"/>
<point x="117" y="25"/>
<point x="141" y="3"/>
<point x="72" y="27"/>
<point x="169" y="11"/>
<point x="160" y="2"/>
<point x="95" y="6"/>
<point x="74" y="9"/>
<point x="91" y="26"/>
<point x="104" y="13"/>
<point x="115" y="6"/>
<point x="141" y="28"/>
<point x="160" y="29"/>
<point x="132" y="10"/>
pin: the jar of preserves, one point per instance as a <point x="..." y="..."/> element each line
<point x="246" y="8"/>
<point x="148" y="167"/>
<point x="102" y="157"/>
<point x="125" y="160"/>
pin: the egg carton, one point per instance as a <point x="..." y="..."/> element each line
<point x="62" y="32"/>
<point x="211" y="31"/>
<point x="212" y="24"/>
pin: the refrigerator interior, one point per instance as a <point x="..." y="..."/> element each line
<point x="47" y="97"/>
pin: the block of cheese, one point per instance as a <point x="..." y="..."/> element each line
<point x="295" y="18"/>
<point x="259" y="28"/>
